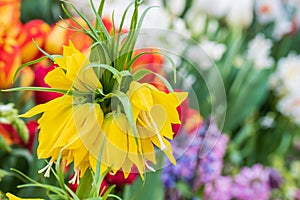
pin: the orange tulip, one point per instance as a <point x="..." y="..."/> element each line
<point x="153" y="62"/>
<point x="193" y="120"/>
<point x="9" y="17"/>
<point x="36" y="30"/>
<point x="10" y="60"/>
<point x="62" y="32"/>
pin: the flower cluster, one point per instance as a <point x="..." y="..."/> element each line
<point x="200" y="157"/>
<point x="285" y="82"/>
<point x="106" y="86"/>
<point x="250" y="183"/>
<point x="16" y="44"/>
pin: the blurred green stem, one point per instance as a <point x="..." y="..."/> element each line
<point x="240" y="78"/>
<point x="234" y="45"/>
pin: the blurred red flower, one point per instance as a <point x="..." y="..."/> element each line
<point x="62" y="32"/>
<point x="10" y="60"/>
<point x="119" y="180"/>
<point x="36" y="30"/>
<point x="33" y="129"/>
<point x="40" y="72"/>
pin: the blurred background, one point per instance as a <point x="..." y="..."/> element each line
<point x="250" y="151"/>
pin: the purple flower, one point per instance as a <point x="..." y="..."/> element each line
<point x="200" y="157"/>
<point x="297" y="195"/>
<point x="252" y="183"/>
<point x="275" y="179"/>
<point x="219" y="189"/>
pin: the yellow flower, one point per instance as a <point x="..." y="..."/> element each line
<point x="69" y="123"/>
<point x="154" y="112"/>
<point x="75" y="125"/>
<point x="13" y="197"/>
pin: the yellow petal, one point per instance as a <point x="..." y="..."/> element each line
<point x="140" y="97"/>
<point x="44" y="107"/>
<point x="13" y="197"/>
<point x="116" y="142"/>
<point x="168" y="150"/>
<point x="170" y="102"/>
<point x="57" y="79"/>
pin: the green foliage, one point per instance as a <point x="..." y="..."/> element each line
<point x="47" y="10"/>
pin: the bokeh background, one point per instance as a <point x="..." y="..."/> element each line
<point x="253" y="45"/>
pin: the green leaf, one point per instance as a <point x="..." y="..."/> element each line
<point x="3" y="145"/>
<point x="98" y="178"/>
<point x="138" y="75"/>
<point x="85" y="185"/>
<point x="41" y="89"/>
<point x="22" y="129"/>
<point x="125" y="82"/>
<point x="27" y="64"/>
<point x="148" y="189"/>
<point x="115" y="72"/>
<point x="127" y="108"/>
<point x="105" y="196"/>
<point x="143" y="72"/>
<point x="184" y="189"/>
<point x="251" y="95"/>
<point x="99" y="20"/>
<point x="3" y="173"/>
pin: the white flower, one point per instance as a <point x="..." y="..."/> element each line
<point x="206" y="53"/>
<point x="213" y="49"/>
<point x="157" y="17"/>
<point x="6" y="108"/>
<point x="84" y="7"/>
<point x="282" y="27"/>
<point x="110" y="5"/>
<point x="176" y="7"/>
<point x="268" y="10"/>
<point x="287" y="76"/>
<point x="240" y="13"/>
<point x="196" y="21"/>
<point x="214" y="8"/>
<point x="290" y="106"/>
<point x="259" y="52"/>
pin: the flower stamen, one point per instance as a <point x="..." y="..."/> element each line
<point x="154" y="126"/>
<point x="47" y="168"/>
<point x="149" y="167"/>
<point x="75" y="178"/>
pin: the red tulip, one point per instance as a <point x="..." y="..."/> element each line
<point x="9" y="17"/>
<point x="10" y="60"/>
<point x="10" y="134"/>
<point x="193" y="120"/>
<point x="182" y="112"/>
<point x="119" y="180"/>
<point x="33" y="129"/>
<point x="40" y="72"/>
<point x="62" y="32"/>
<point x="151" y="61"/>
<point x="36" y="30"/>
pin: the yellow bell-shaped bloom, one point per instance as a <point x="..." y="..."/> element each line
<point x="154" y="112"/>
<point x="69" y="123"/>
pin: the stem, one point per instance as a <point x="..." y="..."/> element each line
<point x="85" y="185"/>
